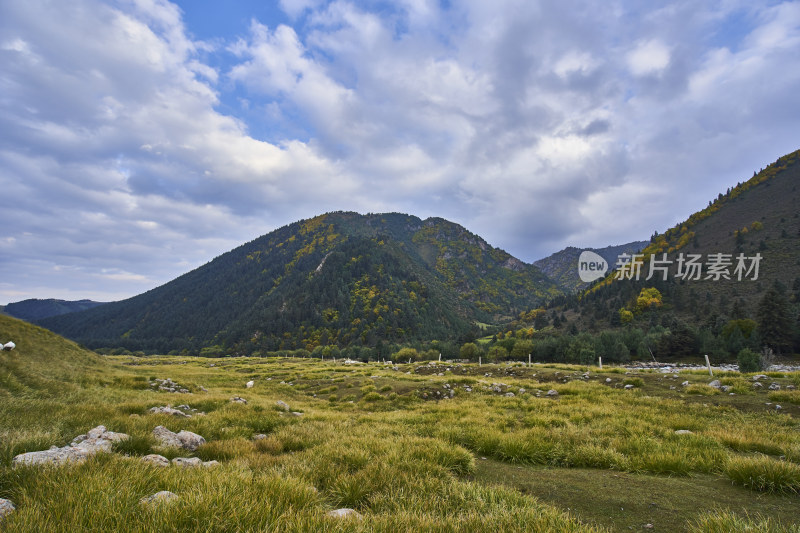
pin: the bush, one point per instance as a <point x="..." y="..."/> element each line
<point x="749" y="361"/>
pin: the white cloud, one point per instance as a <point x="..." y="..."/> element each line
<point x="648" y="58"/>
<point x="123" y="158"/>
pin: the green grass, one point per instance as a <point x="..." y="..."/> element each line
<point x="368" y="439"/>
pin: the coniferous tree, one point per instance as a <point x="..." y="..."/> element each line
<point x="774" y="322"/>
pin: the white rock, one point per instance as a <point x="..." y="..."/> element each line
<point x="552" y="392"/>
<point x="774" y="386"/>
<point x="344" y="513"/>
<point x="155" y="460"/>
<point x="608" y="380"/>
<point x="283" y="405"/>
<point x="685" y="384"/>
<point x="185" y="439"/>
<point x="83" y="446"/>
<point x="187" y="461"/>
<point x="250" y="384"/>
<point x="683" y="432"/>
<point x="163" y="496"/>
<point x="628" y="386"/>
<point x="237" y="399"/>
<point x="6" y="508"/>
<point x="716" y="384"/>
<point x="9" y="346"/>
<point x="167" y="410"/>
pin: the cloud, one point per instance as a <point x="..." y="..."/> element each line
<point x="131" y="152"/>
<point x="648" y="58"/>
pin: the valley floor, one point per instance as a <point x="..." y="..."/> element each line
<point x="411" y="447"/>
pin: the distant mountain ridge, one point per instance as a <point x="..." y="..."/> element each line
<point x="35" y="309"/>
<point x="337" y="279"/>
<point x="562" y="266"/>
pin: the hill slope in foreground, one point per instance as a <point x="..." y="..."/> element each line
<point x="338" y="279"/>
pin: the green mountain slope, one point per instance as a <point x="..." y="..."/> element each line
<point x="760" y="217"/>
<point x="36" y="309"/>
<point x="337" y="279"/>
<point x="562" y="266"/>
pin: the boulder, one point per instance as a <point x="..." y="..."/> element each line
<point x="96" y="440"/>
<point x="683" y="432"/>
<point x="716" y="384"/>
<point x="6" y="508"/>
<point x="163" y="496"/>
<point x="283" y="405"/>
<point x="552" y="393"/>
<point x="757" y="385"/>
<point x="250" y="384"/>
<point x="187" y="461"/>
<point x="628" y="386"/>
<point x="774" y="386"/>
<point x="8" y="346"/>
<point x="156" y="460"/>
<point x="184" y="439"/>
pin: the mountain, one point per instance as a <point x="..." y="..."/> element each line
<point x="758" y="220"/>
<point x="337" y="279"/>
<point x="562" y="266"/>
<point x="35" y="309"/>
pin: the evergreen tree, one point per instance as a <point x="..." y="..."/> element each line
<point x="774" y="322"/>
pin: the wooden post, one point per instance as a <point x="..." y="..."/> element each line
<point x="529" y="359"/>
<point x="440" y="357"/>
<point x="600" y="362"/>
<point x="479" y="361"/>
<point x="708" y="364"/>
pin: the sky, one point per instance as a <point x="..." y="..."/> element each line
<point x="139" y="139"/>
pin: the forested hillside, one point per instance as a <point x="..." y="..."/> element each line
<point x="561" y="266"/>
<point x="338" y="279"/>
<point x="36" y="309"/>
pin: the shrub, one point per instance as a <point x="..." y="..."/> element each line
<point x="749" y="361"/>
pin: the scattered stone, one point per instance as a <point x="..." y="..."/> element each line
<point x="759" y="376"/>
<point x="238" y="399"/>
<point x="726" y="388"/>
<point x="648" y="526"/>
<point x="552" y="393"/>
<point x="184" y="439"/>
<point x="191" y="462"/>
<point x="683" y="432"/>
<point x="628" y="386"/>
<point x="522" y="390"/>
<point x="685" y="384"/>
<point x="297" y="413"/>
<point x="509" y="395"/>
<point x="167" y="410"/>
<point x="156" y="460"/>
<point x="757" y="385"/>
<point x="672" y="387"/>
<point x="716" y="384"/>
<point x="163" y="496"/>
<point x="250" y="384"/>
<point x="203" y="389"/>
<point x="778" y="407"/>
<point x="790" y="387"/>
<point x="8" y="346"/>
<point x="6" y="508"/>
<point x="96" y="440"/>
<point x="774" y="386"/>
<point x="283" y="405"/>
<point x="608" y="380"/>
<point x="259" y="436"/>
<point x="344" y="513"/>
